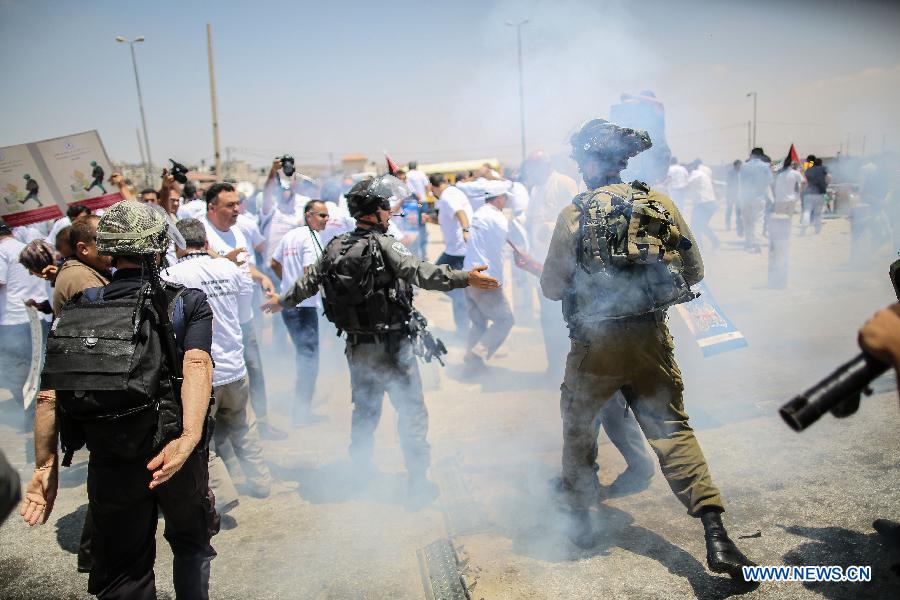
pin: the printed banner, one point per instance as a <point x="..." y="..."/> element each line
<point x="713" y="331"/>
<point x="41" y="179"/>
<point x="27" y="197"/>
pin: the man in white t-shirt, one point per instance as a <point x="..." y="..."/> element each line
<point x="226" y="239"/>
<point x="454" y="214"/>
<point x="418" y="184"/>
<point x="190" y="205"/>
<point x="676" y="182"/>
<point x="16" y="286"/>
<point x="702" y="194"/>
<point x="551" y="191"/>
<point x="789" y="185"/>
<point x="230" y="296"/>
<point x="490" y="317"/>
<point x="297" y="251"/>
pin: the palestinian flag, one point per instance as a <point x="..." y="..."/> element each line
<point x="791" y="158"/>
<point x="393" y="168"/>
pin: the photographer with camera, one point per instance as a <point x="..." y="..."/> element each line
<point x="282" y="205"/>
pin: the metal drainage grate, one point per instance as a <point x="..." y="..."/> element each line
<point x="439" y="567"/>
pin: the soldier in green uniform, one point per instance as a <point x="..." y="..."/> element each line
<point x="366" y="278"/>
<point x="620" y="255"/>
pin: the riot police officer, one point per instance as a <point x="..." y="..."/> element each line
<point x="366" y="279"/>
<point x="620" y="255"/>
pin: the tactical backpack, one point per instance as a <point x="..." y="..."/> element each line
<point x="360" y="295"/>
<point x="627" y="257"/>
<point x="106" y="361"/>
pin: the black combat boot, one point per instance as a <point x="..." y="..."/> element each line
<point x="722" y="556"/>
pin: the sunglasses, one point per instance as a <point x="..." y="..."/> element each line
<point x="322" y="215"/>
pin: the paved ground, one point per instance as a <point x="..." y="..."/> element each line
<point x="811" y="497"/>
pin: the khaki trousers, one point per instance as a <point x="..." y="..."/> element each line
<point x="638" y="359"/>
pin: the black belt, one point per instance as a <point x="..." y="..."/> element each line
<point x="375" y="338"/>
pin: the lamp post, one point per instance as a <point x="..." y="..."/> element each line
<point x="137" y="81"/>
<point x="518" y="27"/>
<point x="754" y="116"/>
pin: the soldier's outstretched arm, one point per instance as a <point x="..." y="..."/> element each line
<point x="559" y="265"/>
<point x="302" y="289"/>
<point x="424" y="274"/>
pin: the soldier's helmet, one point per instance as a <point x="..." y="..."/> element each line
<point x="599" y="137"/>
<point x="367" y="196"/>
<point x="132" y="228"/>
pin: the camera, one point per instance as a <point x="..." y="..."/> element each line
<point x="178" y="171"/>
<point x="287" y="164"/>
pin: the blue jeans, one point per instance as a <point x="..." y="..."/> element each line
<point x="302" y="324"/>
<point x="457" y="296"/>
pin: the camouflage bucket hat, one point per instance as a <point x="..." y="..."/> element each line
<point x="130" y="227"/>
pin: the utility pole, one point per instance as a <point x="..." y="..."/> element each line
<point x="754" y="116"/>
<point x="749" y="141"/>
<point x="518" y="27"/>
<point x="143" y="162"/>
<point x="137" y="83"/>
<point x="212" y="95"/>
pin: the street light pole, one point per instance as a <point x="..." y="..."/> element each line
<point x="754" y="116"/>
<point x="137" y="82"/>
<point x="518" y="27"/>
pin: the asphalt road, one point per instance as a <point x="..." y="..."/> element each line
<point x="802" y="499"/>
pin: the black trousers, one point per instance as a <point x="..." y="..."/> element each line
<point x="124" y="513"/>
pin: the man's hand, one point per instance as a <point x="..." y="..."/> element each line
<point x="233" y="256"/>
<point x="276" y="165"/>
<point x="172" y="457"/>
<point x="168" y="181"/>
<point x="49" y="273"/>
<point x="481" y="281"/>
<point x="267" y="285"/>
<point x="40" y="494"/>
<point x="880" y="336"/>
<point x="272" y="306"/>
<point x="526" y="263"/>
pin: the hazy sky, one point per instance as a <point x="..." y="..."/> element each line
<point x="438" y="80"/>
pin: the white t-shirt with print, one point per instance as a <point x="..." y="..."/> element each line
<point x="230" y="299"/>
<point x="488" y="233"/>
<point x="18" y="285"/>
<point x="298" y="249"/>
<point x="223" y="242"/>
<point x="453" y="200"/>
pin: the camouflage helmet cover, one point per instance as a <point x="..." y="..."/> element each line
<point x="600" y="137"/>
<point x="130" y="227"/>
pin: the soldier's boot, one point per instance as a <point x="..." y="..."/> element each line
<point x="581" y="530"/>
<point x="722" y="556"/>
<point x="420" y="491"/>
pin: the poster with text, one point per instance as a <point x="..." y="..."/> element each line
<point x="27" y="197"/>
<point x="80" y="168"/>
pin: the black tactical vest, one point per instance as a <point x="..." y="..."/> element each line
<point x="361" y="295"/>
<point x="106" y="362"/>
